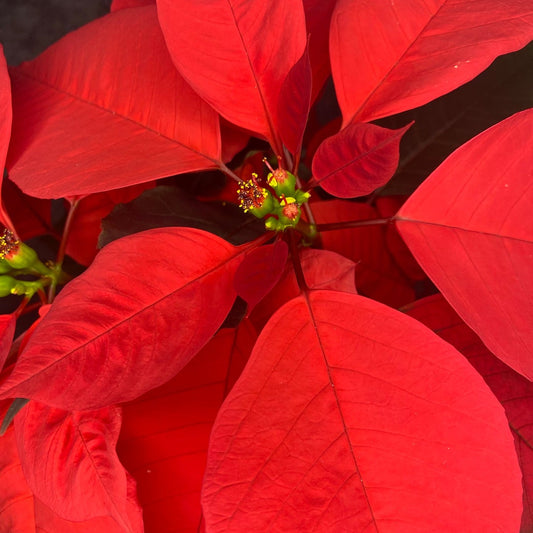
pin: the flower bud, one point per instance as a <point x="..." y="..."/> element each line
<point x="7" y="284"/>
<point x="21" y="257"/>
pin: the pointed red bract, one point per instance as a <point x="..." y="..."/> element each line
<point x="70" y="463"/>
<point x="512" y="390"/>
<point x="236" y="55"/>
<point x="357" y="160"/>
<point x="165" y="433"/>
<point x="387" y="57"/>
<point x="129" y="323"/>
<point x="89" y="117"/>
<point x="351" y="416"/>
<point x="259" y="271"/>
<point x="293" y="104"/>
<point x="317" y="18"/>
<point x="470" y="227"/>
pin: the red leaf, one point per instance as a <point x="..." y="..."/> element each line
<point x="354" y="417"/>
<point x="357" y="160"/>
<point x="259" y="271"/>
<point x="70" y="463"/>
<point x="317" y="17"/>
<point x="377" y="275"/>
<point x="512" y="390"/>
<point x="388" y="57"/>
<point x="293" y="105"/>
<point x="7" y="331"/>
<point x="82" y="244"/>
<point x="322" y="269"/>
<point x="22" y="512"/>
<point x="104" y="108"/>
<point x="130" y="322"/>
<point x="165" y="433"/>
<point x="5" y="129"/>
<point x="477" y="206"/>
<point x="238" y="65"/>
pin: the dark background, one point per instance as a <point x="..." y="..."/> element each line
<point x="27" y="27"/>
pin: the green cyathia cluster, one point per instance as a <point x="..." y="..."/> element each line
<point x="17" y="258"/>
<point x="279" y="202"/>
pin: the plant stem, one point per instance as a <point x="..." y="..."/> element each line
<point x="229" y="172"/>
<point x="62" y="247"/>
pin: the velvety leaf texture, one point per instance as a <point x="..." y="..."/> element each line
<point x="353" y="417"/>
<point x="477" y="206"/>
<point x="70" y="463"/>
<point x="89" y="117"/>
<point x="513" y="390"/>
<point x="387" y="57"/>
<point x="238" y="67"/>
<point x="130" y="322"/>
<point x="357" y="160"/>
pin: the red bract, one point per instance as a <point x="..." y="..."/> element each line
<point x="239" y="68"/>
<point x="111" y="119"/>
<point x="98" y="486"/>
<point x="129" y="330"/>
<point x="344" y="414"/>
<point x="389" y="57"/>
<point x="334" y="422"/>
<point x="478" y="202"/>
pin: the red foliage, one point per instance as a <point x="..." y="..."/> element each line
<point x="153" y="404"/>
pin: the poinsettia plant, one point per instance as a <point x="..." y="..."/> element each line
<point x="240" y="330"/>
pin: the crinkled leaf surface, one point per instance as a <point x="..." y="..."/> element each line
<point x="351" y="416"/>
<point x="470" y="227"/>
<point x="236" y="54"/>
<point x="104" y="108"/>
<point x="22" y="512"/>
<point x="387" y="57"/>
<point x="357" y="160"/>
<point x="513" y="390"/>
<point x="165" y="433"/>
<point x="130" y="322"/>
<point x="70" y="463"/>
